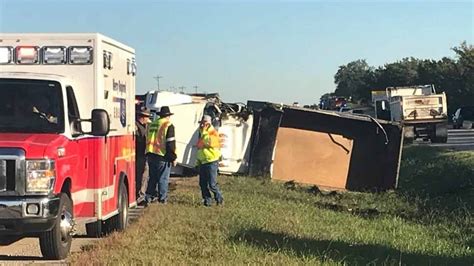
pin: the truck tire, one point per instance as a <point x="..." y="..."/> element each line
<point x="120" y="221"/>
<point x="408" y="134"/>
<point x="56" y="243"/>
<point x="441" y="134"/>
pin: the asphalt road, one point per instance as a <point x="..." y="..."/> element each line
<point x="458" y="139"/>
<point x="27" y="250"/>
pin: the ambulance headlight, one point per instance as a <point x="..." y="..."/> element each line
<point x="27" y="55"/>
<point x="6" y="55"/>
<point x="54" y="55"/>
<point x="80" y="55"/>
<point x="40" y="176"/>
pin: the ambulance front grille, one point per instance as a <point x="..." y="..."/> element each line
<point x="11" y="165"/>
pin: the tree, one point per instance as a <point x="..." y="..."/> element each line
<point x="400" y="73"/>
<point x="353" y="80"/>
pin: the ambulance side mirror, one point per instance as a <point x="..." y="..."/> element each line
<point x="100" y="122"/>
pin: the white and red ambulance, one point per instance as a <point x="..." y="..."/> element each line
<point x="66" y="137"/>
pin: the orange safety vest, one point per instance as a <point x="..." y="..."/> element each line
<point x="156" y="139"/>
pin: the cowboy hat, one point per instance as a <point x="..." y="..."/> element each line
<point x="165" y="111"/>
<point x="143" y="112"/>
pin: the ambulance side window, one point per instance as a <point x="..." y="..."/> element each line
<point x="73" y="112"/>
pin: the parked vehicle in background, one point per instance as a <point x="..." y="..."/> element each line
<point x="339" y="102"/>
<point x="66" y="137"/>
<point x="332" y="103"/>
<point x="345" y="109"/>
<point x="464" y="117"/>
<point x="363" y="111"/>
<point x="420" y="109"/>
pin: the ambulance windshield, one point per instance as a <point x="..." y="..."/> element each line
<point x="31" y="106"/>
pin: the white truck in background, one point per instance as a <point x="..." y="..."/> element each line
<point x="422" y="111"/>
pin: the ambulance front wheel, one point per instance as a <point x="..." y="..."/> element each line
<point x="56" y="243"/>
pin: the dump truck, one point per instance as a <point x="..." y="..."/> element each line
<point x="421" y="111"/>
<point x="66" y="137"/>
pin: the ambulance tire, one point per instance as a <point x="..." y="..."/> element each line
<point x="54" y="245"/>
<point x="120" y="221"/>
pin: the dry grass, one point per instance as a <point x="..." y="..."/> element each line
<point x="427" y="221"/>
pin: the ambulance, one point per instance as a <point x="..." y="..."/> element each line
<point x="66" y="137"/>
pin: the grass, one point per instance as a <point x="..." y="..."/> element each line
<point x="427" y="221"/>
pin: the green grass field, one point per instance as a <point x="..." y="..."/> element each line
<point x="427" y="221"/>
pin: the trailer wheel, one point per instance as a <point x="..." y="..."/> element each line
<point x="120" y="221"/>
<point x="56" y="243"/>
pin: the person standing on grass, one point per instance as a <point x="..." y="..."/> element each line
<point x="141" y="169"/>
<point x="161" y="155"/>
<point x="208" y="156"/>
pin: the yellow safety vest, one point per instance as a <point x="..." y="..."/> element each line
<point x="209" y="145"/>
<point x="156" y="138"/>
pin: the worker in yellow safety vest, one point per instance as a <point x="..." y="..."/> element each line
<point x="161" y="155"/>
<point x="208" y="156"/>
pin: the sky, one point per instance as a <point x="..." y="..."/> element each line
<point x="277" y="51"/>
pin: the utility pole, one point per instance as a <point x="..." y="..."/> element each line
<point x="182" y="88"/>
<point x="195" y="88"/>
<point x="158" y="77"/>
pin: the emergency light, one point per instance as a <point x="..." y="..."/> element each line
<point x="107" y="58"/>
<point x="6" y="55"/>
<point x="54" y="55"/>
<point x="27" y="55"/>
<point x="134" y="67"/>
<point x="131" y="67"/>
<point x="80" y="55"/>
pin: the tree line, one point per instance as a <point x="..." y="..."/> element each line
<point x="454" y="76"/>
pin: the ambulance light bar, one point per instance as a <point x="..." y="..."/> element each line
<point x="27" y="55"/>
<point x="47" y="55"/>
<point x="6" y="55"/>
<point x="54" y="55"/>
<point x="80" y="55"/>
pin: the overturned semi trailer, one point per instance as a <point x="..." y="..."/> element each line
<point x="328" y="149"/>
<point x="233" y="121"/>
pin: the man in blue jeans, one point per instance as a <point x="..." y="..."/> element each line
<point x="161" y="155"/>
<point x="208" y="156"/>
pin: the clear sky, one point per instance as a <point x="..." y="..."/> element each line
<point x="261" y="50"/>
